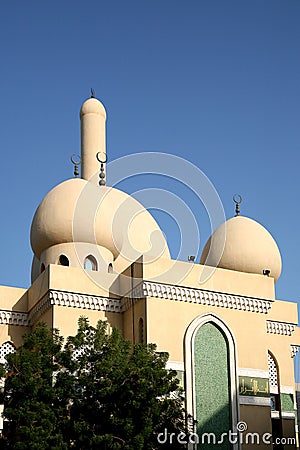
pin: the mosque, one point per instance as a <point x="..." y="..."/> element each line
<point x="99" y="253"/>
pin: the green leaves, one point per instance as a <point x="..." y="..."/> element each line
<point x="96" y="392"/>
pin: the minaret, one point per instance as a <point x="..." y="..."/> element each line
<point x="93" y="139"/>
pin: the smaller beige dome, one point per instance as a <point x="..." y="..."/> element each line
<point x="242" y="244"/>
<point x="93" y="106"/>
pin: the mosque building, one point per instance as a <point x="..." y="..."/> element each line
<point x="99" y="253"/>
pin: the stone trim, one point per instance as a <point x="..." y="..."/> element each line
<point x="254" y="373"/>
<point x="39" y="309"/>
<point x="283" y="328"/>
<point x="202" y="297"/>
<point x="59" y="298"/>
<point x="294" y="350"/>
<point x="288" y="415"/>
<point x="144" y="289"/>
<point x="13" y="318"/>
<point x="287" y="390"/>
<point x="255" y="401"/>
<point x="175" y="365"/>
<point x="73" y="300"/>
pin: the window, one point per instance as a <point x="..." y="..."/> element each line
<point x="274" y="399"/>
<point x="63" y="260"/>
<point x="6" y="349"/>
<point x="273" y="373"/>
<point x="110" y="268"/>
<point x="90" y="263"/>
<point x="42" y="267"/>
<point x="275" y="403"/>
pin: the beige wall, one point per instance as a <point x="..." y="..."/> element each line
<point x="222" y="280"/>
<point x="13" y="298"/>
<point x="168" y="320"/>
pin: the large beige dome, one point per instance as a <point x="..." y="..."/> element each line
<point x="248" y="247"/>
<point x="79" y="211"/>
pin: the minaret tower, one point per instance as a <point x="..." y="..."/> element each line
<point x="93" y="139"/>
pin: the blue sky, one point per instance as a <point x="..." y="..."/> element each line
<point x="215" y="82"/>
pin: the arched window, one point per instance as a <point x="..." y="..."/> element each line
<point x="273" y="373"/>
<point x="274" y="383"/>
<point x="141" y="331"/>
<point x="90" y="263"/>
<point x="110" y="268"/>
<point x="63" y="260"/>
<point x="42" y="267"/>
<point x="6" y="349"/>
<point x="275" y="397"/>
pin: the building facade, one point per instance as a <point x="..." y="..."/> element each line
<point x="99" y="253"/>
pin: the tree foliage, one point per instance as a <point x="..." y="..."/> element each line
<point x="29" y="396"/>
<point x="95" y="392"/>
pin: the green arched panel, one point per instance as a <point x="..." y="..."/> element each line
<point x="212" y="384"/>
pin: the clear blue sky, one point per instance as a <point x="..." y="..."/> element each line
<point x="216" y="82"/>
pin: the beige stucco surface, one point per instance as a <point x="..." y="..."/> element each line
<point x="244" y="245"/>
<point x="12" y="296"/>
<point x="197" y="276"/>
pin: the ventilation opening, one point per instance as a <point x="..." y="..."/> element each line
<point x="90" y="263"/>
<point x="63" y="260"/>
<point x="273" y="372"/>
<point x="6" y="349"/>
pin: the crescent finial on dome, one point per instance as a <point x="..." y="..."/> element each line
<point x="237" y="200"/>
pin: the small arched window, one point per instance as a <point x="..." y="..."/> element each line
<point x="42" y="267"/>
<point x="90" y="263"/>
<point x="274" y="383"/>
<point x="63" y="260"/>
<point x="6" y="349"/>
<point x="110" y="268"/>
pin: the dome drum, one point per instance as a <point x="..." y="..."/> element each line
<point x="82" y="255"/>
<point x="77" y="254"/>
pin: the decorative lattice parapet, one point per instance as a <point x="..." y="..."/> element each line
<point x="294" y="350"/>
<point x="144" y="289"/>
<point x="73" y="300"/>
<point x="59" y="298"/>
<point x="13" y="318"/>
<point x="283" y="328"/>
<point x="203" y="297"/>
<point x="84" y="301"/>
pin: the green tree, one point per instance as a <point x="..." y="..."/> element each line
<point x="120" y="397"/>
<point x="98" y="392"/>
<point x="29" y="395"/>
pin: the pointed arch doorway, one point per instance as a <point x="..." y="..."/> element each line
<point x="211" y="382"/>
